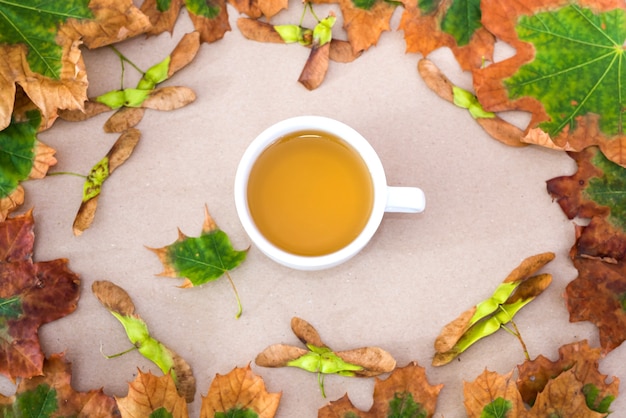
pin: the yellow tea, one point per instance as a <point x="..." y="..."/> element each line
<point x="310" y="193"/>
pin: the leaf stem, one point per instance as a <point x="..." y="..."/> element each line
<point x="124" y="58"/>
<point x="320" y="382"/>
<point x="239" y="307"/>
<point x="313" y="11"/>
<point x="515" y="331"/>
<point x="68" y="173"/>
<point x="133" y="348"/>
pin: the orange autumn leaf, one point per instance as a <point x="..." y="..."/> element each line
<point x="405" y="388"/>
<point x="239" y="391"/>
<point x="424" y="32"/>
<point x="148" y="394"/>
<point x="51" y="393"/>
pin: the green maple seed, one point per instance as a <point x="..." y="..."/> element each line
<point x="127" y="97"/>
<point x="323" y="360"/>
<point x="323" y="31"/>
<point x="290" y="33"/>
<point x="467" y="100"/>
<point x="156" y="74"/>
<point x="96" y="177"/>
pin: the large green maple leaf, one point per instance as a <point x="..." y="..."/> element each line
<point x="34" y="23"/>
<point x="39" y="49"/>
<point x="597" y="191"/>
<point x="569" y="67"/>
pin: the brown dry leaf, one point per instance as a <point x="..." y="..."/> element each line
<point x="91" y="109"/>
<point x="496" y="127"/>
<point x="563" y="397"/>
<point x="161" y="21"/>
<point x="270" y="8"/>
<point x="9" y="203"/>
<point x="113" y="21"/>
<point x="406" y="387"/>
<point x="306" y="332"/>
<point x="237" y="392"/>
<point x="364" y="26"/>
<point x="315" y="67"/>
<point x="488" y="387"/>
<point x="169" y="98"/>
<point x="149" y="393"/>
<point x="123" y="119"/>
<point x="117" y="155"/>
<point x="423" y="34"/>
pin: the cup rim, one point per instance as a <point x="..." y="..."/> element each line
<point x="347" y="134"/>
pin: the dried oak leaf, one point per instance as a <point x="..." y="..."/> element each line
<point x="209" y="18"/>
<point x="406" y="392"/>
<point x="22" y="157"/>
<point x="51" y="395"/>
<point x="598" y="294"/>
<point x="31" y="294"/>
<point x="149" y="395"/>
<point x="455" y="24"/>
<point x="572" y="386"/>
<point x="566" y="71"/>
<point x="39" y="49"/>
<point x="239" y="393"/>
<point x="364" y="20"/>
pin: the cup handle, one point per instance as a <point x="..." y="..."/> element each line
<point x="405" y="199"/>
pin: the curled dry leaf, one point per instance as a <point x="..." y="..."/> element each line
<point x="117" y="155"/>
<point x="485" y="318"/>
<point x="119" y="303"/>
<point x="239" y="393"/>
<point x="148" y="394"/>
<point x="316" y="66"/>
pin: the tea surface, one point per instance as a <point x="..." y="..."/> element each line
<point x="310" y="193"/>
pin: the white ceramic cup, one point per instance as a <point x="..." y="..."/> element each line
<point x="386" y="198"/>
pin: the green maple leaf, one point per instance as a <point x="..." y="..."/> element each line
<point x="34" y="23"/>
<point x="499" y="408"/>
<point x="17" y="152"/>
<point x="38" y="402"/>
<point x="237" y="413"/>
<point x="461" y="20"/>
<point x="201" y="259"/>
<point x="404" y="406"/>
<point x="578" y="66"/>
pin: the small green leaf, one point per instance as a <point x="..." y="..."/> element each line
<point x="17" y="144"/>
<point x="40" y="402"/>
<point x="610" y="189"/>
<point x="428" y="6"/>
<point x="163" y="5"/>
<point x="237" y="413"/>
<point x="161" y="413"/>
<point x="404" y="406"/>
<point x="364" y="4"/>
<point x="202" y="8"/>
<point x="10" y="308"/>
<point x="499" y="408"/>
<point x="462" y="20"/>
<point x="592" y="394"/>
